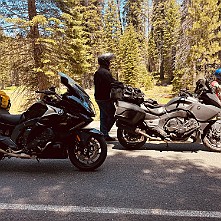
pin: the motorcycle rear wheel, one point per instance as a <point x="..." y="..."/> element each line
<point x="91" y="156"/>
<point x="129" y="140"/>
<point x="212" y="138"/>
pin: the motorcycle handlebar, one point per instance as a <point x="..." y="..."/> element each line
<point x="46" y="92"/>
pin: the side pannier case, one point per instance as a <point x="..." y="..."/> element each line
<point x="129" y="113"/>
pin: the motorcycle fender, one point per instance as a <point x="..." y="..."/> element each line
<point x="125" y="126"/>
<point x="91" y="131"/>
<point x="83" y="134"/>
<point x="215" y="123"/>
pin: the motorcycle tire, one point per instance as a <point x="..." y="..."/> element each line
<point x="213" y="140"/>
<point x="129" y="140"/>
<point x="1" y="156"/>
<point x="91" y="156"/>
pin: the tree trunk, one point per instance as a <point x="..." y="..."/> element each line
<point x="37" y="48"/>
<point x="119" y="14"/>
<point x="161" y="67"/>
<point x="84" y="2"/>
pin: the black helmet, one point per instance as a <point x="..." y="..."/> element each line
<point x="105" y="59"/>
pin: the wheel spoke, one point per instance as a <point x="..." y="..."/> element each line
<point x="130" y="140"/>
<point x="213" y="138"/>
<point x="90" y="153"/>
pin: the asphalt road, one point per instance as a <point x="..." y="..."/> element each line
<point x="178" y="182"/>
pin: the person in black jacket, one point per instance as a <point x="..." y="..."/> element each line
<point x="102" y="83"/>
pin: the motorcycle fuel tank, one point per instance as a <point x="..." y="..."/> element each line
<point x="180" y="103"/>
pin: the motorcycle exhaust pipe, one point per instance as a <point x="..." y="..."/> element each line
<point x="26" y="156"/>
<point x="137" y="131"/>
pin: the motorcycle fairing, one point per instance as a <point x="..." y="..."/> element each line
<point x="211" y="99"/>
<point x="18" y="129"/>
<point x="165" y="117"/>
<point x="204" y="112"/>
<point x="52" y="110"/>
<point x="200" y="111"/>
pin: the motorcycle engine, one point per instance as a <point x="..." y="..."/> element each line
<point x="178" y="128"/>
<point x="39" y="141"/>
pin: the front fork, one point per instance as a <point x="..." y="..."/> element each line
<point x="84" y="134"/>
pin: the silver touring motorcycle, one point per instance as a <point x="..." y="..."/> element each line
<point x="56" y="127"/>
<point x="185" y="118"/>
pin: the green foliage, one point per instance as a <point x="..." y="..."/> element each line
<point x="130" y="56"/>
<point x="167" y="42"/>
<point x="135" y="14"/>
<point x="182" y="79"/>
<point x="73" y="51"/>
<point x="92" y="28"/>
<point x="111" y="34"/>
<point x="202" y="41"/>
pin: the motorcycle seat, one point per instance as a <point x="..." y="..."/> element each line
<point x="156" y="110"/>
<point x="153" y="106"/>
<point x="10" y="118"/>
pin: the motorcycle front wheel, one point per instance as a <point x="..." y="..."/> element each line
<point x="129" y="140"/>
<point x="212" y="138"/>
<point x="91" y="156"/>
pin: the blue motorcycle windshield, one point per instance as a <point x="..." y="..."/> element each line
<point x="77" y="88"/>
<point x="79" y="95"/>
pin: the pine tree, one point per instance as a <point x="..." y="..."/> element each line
<point x="4" y="61"/>
<point x="171" y="35"/>
<point x="130" y="56"/>
<point x="26" y="26"/>
<point x="135" y="14"/>
<point x="112" y="33"/>
<point x="87" y="14"/>
<point x="163" y="38"/>
<point x="203" y="40"/>
<point x="70" y="45"/>
<point x="34" y="36"/>
<point x="93" y="29"/>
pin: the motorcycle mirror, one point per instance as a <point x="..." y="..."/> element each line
<point x="64" y="80"/>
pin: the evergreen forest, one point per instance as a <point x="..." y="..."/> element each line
<point x="154" y="41"/>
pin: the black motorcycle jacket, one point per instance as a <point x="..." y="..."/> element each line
<point x="102" y="83"/>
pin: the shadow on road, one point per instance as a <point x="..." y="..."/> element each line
<point x="125" y="180"/>
<point x="193" y="147"/>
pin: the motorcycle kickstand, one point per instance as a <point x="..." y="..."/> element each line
<point x="167" y="144"/>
